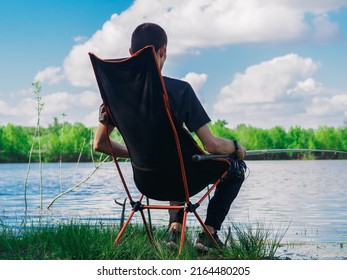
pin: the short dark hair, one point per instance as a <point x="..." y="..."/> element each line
<point x="148" y="34"/>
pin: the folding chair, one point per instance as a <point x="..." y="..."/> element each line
<point x="161" y="150"/>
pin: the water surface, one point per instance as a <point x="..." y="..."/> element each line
<point x="307" y="197"/>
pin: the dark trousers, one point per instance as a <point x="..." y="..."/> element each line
<point x="219" y="205"/>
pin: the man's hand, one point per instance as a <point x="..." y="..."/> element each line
<point x="240" y="152"/>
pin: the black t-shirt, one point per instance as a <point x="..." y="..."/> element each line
<point x="185" y="105"/>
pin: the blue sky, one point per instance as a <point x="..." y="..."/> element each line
<point x="263" y="63"/>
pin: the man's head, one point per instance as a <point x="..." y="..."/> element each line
<point x="150" y="34"/>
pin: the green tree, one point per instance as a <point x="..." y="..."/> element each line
<point x="326" y="138"/>
<point x="248" y="136"/>
<point x="341" y="135"/>
<point x="15" y="143"/>
<point x="219" y="128"/>
<point x="278" y="137"/>
<point x="299" y="138"/>
<point x="52" y="142"/>
<point x="2" y="141"/>
<point x="75" y="136"/>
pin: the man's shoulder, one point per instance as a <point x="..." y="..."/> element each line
<point x="177" y="84"/>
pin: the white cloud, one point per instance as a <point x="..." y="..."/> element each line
<point x="54" y="105"/>
<point x="109" y="42"/>
<point x="323" y="29"/>
<point x="325" y="106"/>
<point x="281" y="91"/>
<point x="80" y="39"/>
<point x="269" y="82"/>
<point x="193" y="25"/>
<point x="25" y="107"/>
<point x="197" y="81"/>
<point x="91" y="119"/>
<point x="51" y="75"/>
<point x="314" y="6"/>
<point x="309" y="86"/>
<point x="59" y="102"/>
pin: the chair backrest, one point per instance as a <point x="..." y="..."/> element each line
<point x="135" y="98"/>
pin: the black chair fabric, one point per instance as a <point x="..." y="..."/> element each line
<point x="133" y="91"/>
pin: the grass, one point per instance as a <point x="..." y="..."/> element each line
<point x="254" y="242"/>
<point x="74" y="241"/>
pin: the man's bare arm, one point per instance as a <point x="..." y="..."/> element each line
<point x="101" y="143"/>
<point x="218" y="145"/>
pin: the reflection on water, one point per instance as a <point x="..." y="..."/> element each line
<point x="308" y="196"/>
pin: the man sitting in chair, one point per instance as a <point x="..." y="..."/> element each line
<point x="188" y="110"/>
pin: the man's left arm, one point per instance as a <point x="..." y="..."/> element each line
<point x="101" y="142"/>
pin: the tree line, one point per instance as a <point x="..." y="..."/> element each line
<point x="73" y="142"/>
<point x="65" y="141"/>
<point x="323" y="138"/>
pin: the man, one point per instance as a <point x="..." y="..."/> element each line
<point x="188" y="110"/>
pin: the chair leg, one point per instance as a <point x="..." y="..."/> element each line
<point x="206" y="230"/>
<point x="183" y="232"/>
<point x="149" y="215"/>
<point x="120" y="234"/>
<point x="149" y="232"/>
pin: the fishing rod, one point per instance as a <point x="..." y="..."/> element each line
<point x="197" y="158"/>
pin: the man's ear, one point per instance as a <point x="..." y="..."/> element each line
<point x="162" y="51"/>
<point x="131" y="51"/>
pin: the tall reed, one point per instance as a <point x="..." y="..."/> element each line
<point x="37" y="136"/>
<point x="61" y="152"/>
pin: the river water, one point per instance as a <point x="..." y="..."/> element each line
<point x="308" y="199"/>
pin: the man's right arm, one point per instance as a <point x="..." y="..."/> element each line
<point x="218" y="145"/>
<point x="102" y="145"/>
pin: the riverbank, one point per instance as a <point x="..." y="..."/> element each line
<point x="74" y="241"/>
<point x="68" y="142"/>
